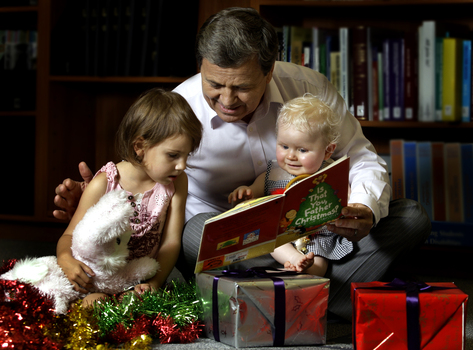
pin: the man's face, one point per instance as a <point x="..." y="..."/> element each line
<point x="234" y="93"/>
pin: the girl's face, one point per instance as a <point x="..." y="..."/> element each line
<point x="165" y="161"/>
<point x="299" y="153"/>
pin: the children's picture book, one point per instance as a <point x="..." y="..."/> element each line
<point x="258" y="226"/>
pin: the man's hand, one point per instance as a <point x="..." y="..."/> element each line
<point x="69" y="192"/>
<point x="356" y="224"/>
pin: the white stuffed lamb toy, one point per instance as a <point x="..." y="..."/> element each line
<point x="100" y="240"/>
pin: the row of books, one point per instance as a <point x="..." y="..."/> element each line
<point x="124" y="38"/>
<point x="436" y="174"/>
<point x="391" y="75"/>
<point x="18" y="53"/>
<point x="18" y="49"/>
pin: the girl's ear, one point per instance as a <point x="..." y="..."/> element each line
<point x="139" y="148"/>
<point x="329" y="150"/>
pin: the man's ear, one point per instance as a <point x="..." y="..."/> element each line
<point x="329" y="150"/>
<point x="269" y="76"/>
<point x="139" y="147"/>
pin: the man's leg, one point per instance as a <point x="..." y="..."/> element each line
<point x="405" y="228"/>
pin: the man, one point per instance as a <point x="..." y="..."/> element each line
<point x="236" y="97"/>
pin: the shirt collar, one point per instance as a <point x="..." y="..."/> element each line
<point x="271" y="95"/>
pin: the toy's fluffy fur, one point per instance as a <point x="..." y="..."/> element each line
<point x="100" y="240"/>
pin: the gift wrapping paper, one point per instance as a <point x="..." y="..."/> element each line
<point x="246" y="309"/>
<point x="388" y="316"/>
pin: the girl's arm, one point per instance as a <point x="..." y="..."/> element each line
<point x="77" y="272"/>
<point x="170" y="245"/>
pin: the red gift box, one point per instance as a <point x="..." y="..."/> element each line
<point x="435" y="313"/>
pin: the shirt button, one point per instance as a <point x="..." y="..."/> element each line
<point x="260" y="162"/>
<point x="251" y="129"/>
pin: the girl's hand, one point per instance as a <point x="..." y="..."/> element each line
<point x="143" y="287"/>
<point x="78" y="273"/>
<point x="242" y="192"/>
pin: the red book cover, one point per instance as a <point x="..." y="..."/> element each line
<point x="258" y="226"/>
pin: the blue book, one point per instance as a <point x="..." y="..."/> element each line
<point x="466" y="81"/>
<point x="410" y="170"/>
<point x="424" y="176"/>
<point x="467" y="180"/>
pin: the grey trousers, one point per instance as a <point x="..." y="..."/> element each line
<point x="405" y="228"/>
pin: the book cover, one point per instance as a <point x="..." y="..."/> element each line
<point x="451" y="234"/>
<point x="466" y="82"/>
<point x="410" y="170"/>
<point x="258" y="226"/>
<point x="424" y="176"/>
<point x="467" y="181"/>
<point x="360" y="72"/>
<point x="396" y="149"/>
<point x="452" y="80"/>
<point x="438" y="182"/>
<point x="453" y="182"/>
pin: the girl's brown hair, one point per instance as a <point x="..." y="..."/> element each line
<point x="155" y="116"/>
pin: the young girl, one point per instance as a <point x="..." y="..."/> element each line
<point x="307" y="134"/>
<point x="154" y="139"/>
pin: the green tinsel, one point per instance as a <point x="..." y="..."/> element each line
<point x="177" y="300"/>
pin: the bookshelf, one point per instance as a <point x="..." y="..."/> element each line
<point x="74" y="116"/>
<point x="391" y="15"/>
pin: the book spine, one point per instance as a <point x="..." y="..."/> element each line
<point x="315" y="49"/>
<point x="424" y="176"/>
<point x="360" y="74"/>
<point x="410" y="170"/>
<point x="438" y="181"/>
<point x="467" y="181"/>
<point x="453" y="182"/>
<point x="410" y="77"/>
<point x="438" y="78"/>
<point x="466" y="81"/>
<point x="387" y="79"/>
<point x="427" y="71"/>
<point x="452" y="79"/>
<point x="375" y="83"/>
<point x="398" y="79"/>
<point x="380" y="86"/>
<point x="344" y="58"/>
<point x="397" y="168"/>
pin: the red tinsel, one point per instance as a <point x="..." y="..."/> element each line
<point x="23" y="315"/>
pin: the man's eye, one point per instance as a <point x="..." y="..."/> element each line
<point x="172" y="155"/>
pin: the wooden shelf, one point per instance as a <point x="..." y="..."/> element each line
<point x="118" y="80"/>
<point x="417" y="125"/>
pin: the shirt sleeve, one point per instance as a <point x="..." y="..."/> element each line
<point x="369" y="179"/>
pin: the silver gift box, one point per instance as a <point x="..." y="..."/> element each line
<point x="246" y="309"/>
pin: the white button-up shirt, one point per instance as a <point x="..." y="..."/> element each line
<point x="234" y="154"/>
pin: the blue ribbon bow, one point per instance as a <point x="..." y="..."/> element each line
<point x="279" y="298"/>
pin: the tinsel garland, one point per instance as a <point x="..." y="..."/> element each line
<point x="27" y="320"/>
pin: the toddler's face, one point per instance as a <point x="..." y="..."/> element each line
<point x="298" y="152"/>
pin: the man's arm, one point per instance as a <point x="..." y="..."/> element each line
<point x="69" y="192"/>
